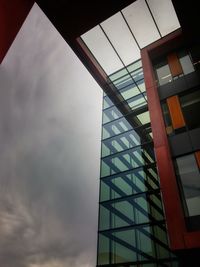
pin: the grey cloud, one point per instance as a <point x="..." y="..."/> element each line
<point x="50" y="116"/>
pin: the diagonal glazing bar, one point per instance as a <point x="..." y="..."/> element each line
<point x="161" y="13"/>
<point x="141" y="23"/>
<point x="121" y="38"/>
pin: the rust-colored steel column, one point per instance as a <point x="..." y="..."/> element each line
<point x="12" y="15"/>
<point x="170" y="193"/>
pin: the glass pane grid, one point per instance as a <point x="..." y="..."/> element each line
<point x="131" y="216"/>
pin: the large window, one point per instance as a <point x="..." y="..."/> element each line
<point x="190" y="104"/>
<point x="189" y="178"/>
<point x="131" y="229"/>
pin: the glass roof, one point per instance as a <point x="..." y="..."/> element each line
<point x="117" y="41"/>
<point x="100" y="47"/>
<point x="164" y="15"/>
<point x="126" y="47"/>
<point x="141" y="23"/>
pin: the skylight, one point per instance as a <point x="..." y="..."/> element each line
<point x="117" y="41"/>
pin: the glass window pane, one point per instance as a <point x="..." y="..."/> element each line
<point x="104" y="191"/>
<point x="167" y="118"/>
<point x="137" y="74"/>
<point x="137" y="102"/>
<point x="103" y="250"/>
<point x="107" y="102"/>
<point x="134" y="210"/>
<point x="111" y="114"/>
<point x="163" y="74"/>
<point x="144" y="117"/>
<point x="126" y="160"/>
<point x="190" y="104"/>
<point x="128" y="183"/>
<point x="134" y="66"/>
<point x="123" y="81"/>
<point x="186" y="64"/>
<point x="98" y="44"/>
<point x="190" y="180"/>
<point x="129" y="91"/>
<point x="123" y="247"/>
<point x="164" y="15"/>
<point x="104" y="218"/>
<point x="141" y="85"/>
<point x="118" y="74"/>
<point x="116" y="127"/>
<point x="144" y="241"/>
<point x="121" y="142"/>
<point x="121" y="38"/>
<point x="141" y="23"/>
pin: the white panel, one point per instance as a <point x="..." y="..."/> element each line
<point x="97" y="42"/>
<point x="121" y="38"/>
<point x="164" y="15"/>
<point x="141" y="23"/>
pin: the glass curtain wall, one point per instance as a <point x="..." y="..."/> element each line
<point x="132" y="229"/>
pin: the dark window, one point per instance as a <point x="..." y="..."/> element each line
<point x="190" y="104"/>
<point x="189" y="178"/>
<point x="167" y="118"/>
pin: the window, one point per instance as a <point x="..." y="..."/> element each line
<point x="189" y="178"/>
<point x="190" y="104"/>
<point x="163" y="73"/>
<point x="186" y="63"/>
<point x="173" y="66"/>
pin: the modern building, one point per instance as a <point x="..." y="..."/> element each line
<point x="145" y="54"/>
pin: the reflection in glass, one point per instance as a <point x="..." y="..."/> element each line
<point x="190" y="104"/>
<point x="189" y="175"/>
<point x="107" y="102"/>
<point x="130" y="182"/>
<point x="186" y="63"/>
<point x="126" y="160"/>
<point x="131" y="228"/>
<point x="137" y="209"/>
<point x="129" y="91"/>
<point x="163" y="73"/>
<point x="167" y="118"/>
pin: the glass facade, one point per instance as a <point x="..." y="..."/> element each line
<point x="132" y="229"/>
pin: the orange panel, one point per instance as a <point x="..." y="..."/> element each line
<point x="197" y="156"/>
<point x="174" y="64"/>
<point x="175" y="112"/>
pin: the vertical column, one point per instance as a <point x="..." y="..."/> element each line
<point x="169" y="189"/>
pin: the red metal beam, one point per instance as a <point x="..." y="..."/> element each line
<point x="12" y="15"/>
<point x="179" y="237"/>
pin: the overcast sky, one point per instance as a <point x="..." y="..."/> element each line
<point x="50" y="127"/>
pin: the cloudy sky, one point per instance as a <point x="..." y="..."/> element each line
<point x="50" y="124"/>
